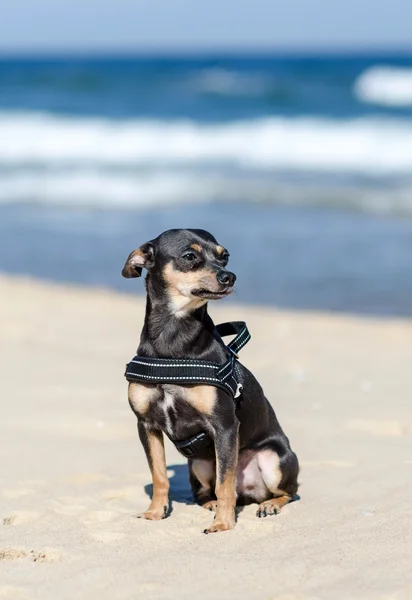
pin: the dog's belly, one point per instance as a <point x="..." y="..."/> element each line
<point x="258" y="475"/>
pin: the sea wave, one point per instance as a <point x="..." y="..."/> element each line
<point x="367" y="146"/>
<point x="387" y="86"/>
<point x="364" y="163"/>
<point x="90" y="188"/>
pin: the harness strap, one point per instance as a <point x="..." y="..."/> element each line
<point x="238" y="328"/>
<point x="194" y="371"/>
<point x="194" y="445"/>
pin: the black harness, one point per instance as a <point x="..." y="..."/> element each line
<point x="188" y="371"/>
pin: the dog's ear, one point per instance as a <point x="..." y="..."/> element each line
<point x="139" y="258"/>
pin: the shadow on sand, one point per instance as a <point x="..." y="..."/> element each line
<point x="180" y="490"/>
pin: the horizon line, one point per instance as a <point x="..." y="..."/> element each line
<point x="172" y="52"/>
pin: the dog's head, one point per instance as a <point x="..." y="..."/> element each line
<point x="188" y="264"/>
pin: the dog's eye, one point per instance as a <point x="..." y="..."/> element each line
<point x="225" y="258"/>
<point x="189" y="256"/>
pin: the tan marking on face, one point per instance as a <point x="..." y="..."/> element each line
<point x="141" y="395"/>
<point x="220" y="249"/>
<point x="196" y="247"/>
<point x="185" y="282"/>
<point x="180" y="286"/>
<point x="201" y="397"/>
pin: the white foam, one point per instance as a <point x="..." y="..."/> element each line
<point x="102" y="162"/>
<point x="101" y="189"/>
<point x="363" y="146"/>
<point x="93" y="188"/>
<point x="387" y="86"/>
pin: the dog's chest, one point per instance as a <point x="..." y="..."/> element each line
<point x="171" y="408"/>
<point x="168" y="406"/>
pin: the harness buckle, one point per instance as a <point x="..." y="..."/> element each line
<point x="194" y="445"/>
<point x="239" y="390"/>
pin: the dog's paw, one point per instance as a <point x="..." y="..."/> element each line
<point x="154" y="514"/>
<point x="210" y="505"/>
<point x="270" y="507"/>
<point x="218" y="527"/>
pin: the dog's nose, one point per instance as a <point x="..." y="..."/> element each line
<point x="226" y="278"/>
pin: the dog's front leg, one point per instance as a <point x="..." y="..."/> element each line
<point x="226" y="449"/>
<point x="152" y="441"/>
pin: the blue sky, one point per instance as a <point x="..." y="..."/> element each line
<point x="198" y="24"/>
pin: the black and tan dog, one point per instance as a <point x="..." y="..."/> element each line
<point x="249" y="458"/>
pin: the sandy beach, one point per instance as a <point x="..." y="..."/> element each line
<point x="73" y="474"/>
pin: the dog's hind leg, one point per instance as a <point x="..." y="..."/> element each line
<point x="274" y="505"/>
<point x="202" y="475"/>
<point x="280" y="477"/>
<point x="152" y="441"/>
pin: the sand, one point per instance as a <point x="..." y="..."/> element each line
<point x="73" y="474"/>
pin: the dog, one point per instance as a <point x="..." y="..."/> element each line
<point x="248" y="458"/>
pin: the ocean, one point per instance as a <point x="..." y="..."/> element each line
<point x="301" y="165"/>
